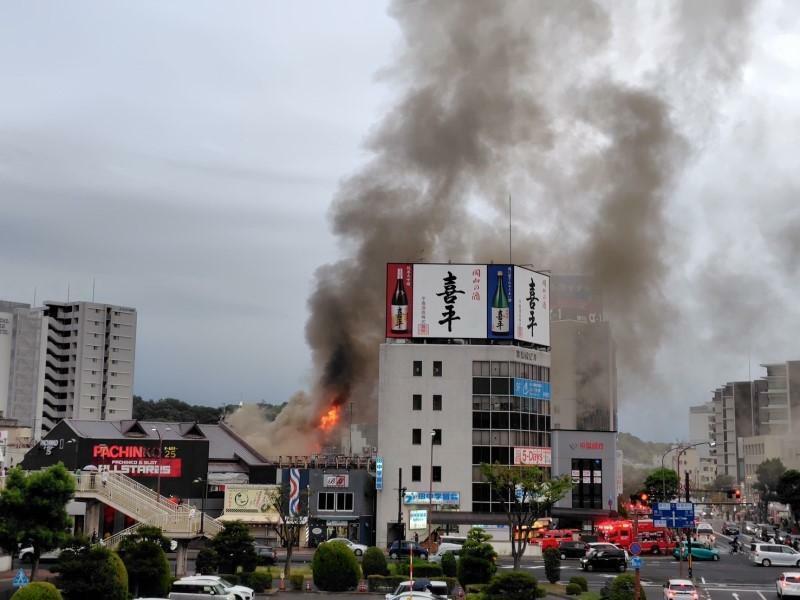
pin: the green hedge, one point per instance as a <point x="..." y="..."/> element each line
<point x="581" y="581"/>
<point x="449" y="564"/>
<point x="37" y="590"/>
<point x="573" y="589"/>
<point x="516" y="585"/>
<point x="260" y="580"/>
<point x="297" y="581"/>
<point x="552" y="565"/>
<point x="374" y="562"/>
<point x="384" y="583"/>
<point x="422" y="568"/>
<point x="335" y="568"/>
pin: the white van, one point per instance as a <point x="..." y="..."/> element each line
<point x="774" y="554"/>
<point x="704" y="534"/>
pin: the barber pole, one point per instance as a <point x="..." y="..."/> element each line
<point x="294" y="492"/>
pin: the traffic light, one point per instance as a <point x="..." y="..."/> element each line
<point x="643" y="497"/>
<point x="738" y="494"/>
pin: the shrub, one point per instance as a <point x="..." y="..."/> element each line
<point x="335" y="568"/>
<point x="380" y="583"/>
<point x="449" y="564"/>
<point x="573" y="589"/>
<point x="207" y="561"/>
<point x="552" y="565"/>
<point x="516" y="585"/>
<point x="146" y="563"/>
<point x="422" y="568"/>
<point x="260" y="580"/>
<point x="297" y="581"/>
<point x="581" y="581"/>
<point x="623" y="587"/>
<point x="476" y="564"/>
<point x="94" y="572"/>
<point x="474" y="596"/>
<point x="37" y="590"/>
<point x="234" y="547"/>
<point x="374" y="562"/>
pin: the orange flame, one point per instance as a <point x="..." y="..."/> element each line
<point x="329" y="419"/>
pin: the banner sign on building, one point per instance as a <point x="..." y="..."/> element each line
<point x="467" y="302"/>
<point x="399" y="294"/>
<point x="379" y="473"/>
<point x="336" y="481"/>
<point x="530" y="388"/>
<point x="535" y="456"/>
<point x="453" y="498"/>
<point x="418" y="519"/>
<point x="137" y="461"/>
<point x="250" y="499"/>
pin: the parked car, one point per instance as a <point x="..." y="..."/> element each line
<point x="730" y="529"/>
<point x="572" y="549"/>
<point x="774" y="554"/>
<point x="698" y="552"/>
<point x="606" y="559"/>
<point x="438" y="589"/>
<point x="404" y="548"/>
<point x="240" y="592"/>
<point x="605" y="546"/>
<point x="358" y="549"/>
<point x="680" y="589"/>
<point x="265" y="555"/>
<point x="437" y="558"/>
<point x="26" y="555"/>
<point x="788" y="584"/>
<point x="196" y="590"/>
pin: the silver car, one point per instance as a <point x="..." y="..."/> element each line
<point x="196" y="590"/>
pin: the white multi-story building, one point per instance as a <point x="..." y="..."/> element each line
<point x="89" y="362"/>
<point x="66" y="359"/>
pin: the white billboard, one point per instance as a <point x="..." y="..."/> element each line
<point x="531" y="307"/>
<point x="5" y="359"/>
<point x="533" y="456"/>
<point x="418" y="519"/>
<point x="449" y="301"/>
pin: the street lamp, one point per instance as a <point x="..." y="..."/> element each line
<point x="204" y="481"/>
<point x="160" y="446"/>
<point x="430" y="491"/>
<point x="682" y="449"/>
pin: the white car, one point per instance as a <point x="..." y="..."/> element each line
<point x="26" y="555"/>
<point x="433" y="589"/>
<point x="444" y="549"/>
<point x="788" y="584"/>
<point x="240" y="592"/>
<point x="774" y="554"/>
<point x="680" y="589"/>
<point x="358" y="549"/>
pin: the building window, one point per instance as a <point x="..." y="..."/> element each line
<point x="416" y="437"/>
<point x="344" y="501"/>
<point x="437" y="437"/>
<point x="437" y="473"/>
<point x="417" y="368"/>
<point x="326" y="501"/>
<point x="416" y="473"/>
<point x="437" y="402"/>
<point x="437" y="368"/>
<point x="587" y="483"/>
<point x="416" y="402"/>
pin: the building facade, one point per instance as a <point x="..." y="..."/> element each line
<point x="779" y="403"/>
<point x="446" y="408"/>
<point x="736" y="415"/>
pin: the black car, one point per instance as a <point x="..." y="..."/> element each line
<point x="604" y="560"/>
<point x="404" y="548"/>
<point x="265" y="555"/>
<point x="730" y="529"/>
<point x="572" y="549"/>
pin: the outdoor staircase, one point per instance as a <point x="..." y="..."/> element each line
<point x="177" y="521"/>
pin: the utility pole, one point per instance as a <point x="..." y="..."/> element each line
<point x="689" y="532"/>
<point x="401" y="491"/>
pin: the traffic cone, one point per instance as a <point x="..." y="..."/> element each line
<point x="362" y="585"/>
<point x="282" y="584"/>
<point x="308" y="585"/>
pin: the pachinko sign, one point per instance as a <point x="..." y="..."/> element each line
<point x="137" y="461"/>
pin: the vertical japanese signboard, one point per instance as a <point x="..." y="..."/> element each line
<point x="500" y="302"/>
<point x="399" y="308"/>
<point x="449" y="301"/>
<point x="532" y="307"/>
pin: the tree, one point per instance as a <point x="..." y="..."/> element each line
<point x="768" y="474"/>
<point x="476" y="564"/>
<point x="788" y="490"/>
<point x="234" y="548"/>
<point x="723" y="481"/>
<point x="37" y="590"/>
<point x="33" y="510"/>
<point x="526" y="496"/>
<point x="91" y="572"/>
<point x="516" y="585"/>
<point x="147" y="565"/>
<point x="289" y="526"/>
<point x="661" y="485"/>
<point x="374" y="562"/>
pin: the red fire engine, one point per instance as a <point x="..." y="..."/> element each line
<point x="652" y="539"/>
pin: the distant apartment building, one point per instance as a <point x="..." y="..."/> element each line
<point x="66" y="360"/>
<point x="736" y="415"/>
<point x="757" y="449"/>
<point x="703" y="460"/>
<point x="583" y="355"/>
<point x="779" y="403"/>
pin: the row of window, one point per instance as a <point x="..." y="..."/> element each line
<point x="436" y="437"/>
<point x="416" y="369"/>
<point x="513" y="403"/>
<point x="416" y="402"/>
<point x="510" y="420"/>
<point x="336" y="501"/>
<point x="485" y="368"/>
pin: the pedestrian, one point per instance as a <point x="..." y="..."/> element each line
<point x="416" y="538"/>
<point x="94" y="536"/>
<point x="104" y="478"/>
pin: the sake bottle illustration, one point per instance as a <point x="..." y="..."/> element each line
<point x="500" y="311"/>
<point x="399" y="305"/>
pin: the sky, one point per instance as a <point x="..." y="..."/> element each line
<point x="183" y="156"/>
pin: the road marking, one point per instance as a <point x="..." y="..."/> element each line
<point x="760" y="595"/>
<point x="735" y="596"/>
<point x="703" y="579"/>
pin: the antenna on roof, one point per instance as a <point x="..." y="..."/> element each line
<point x="93" y="281"/>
